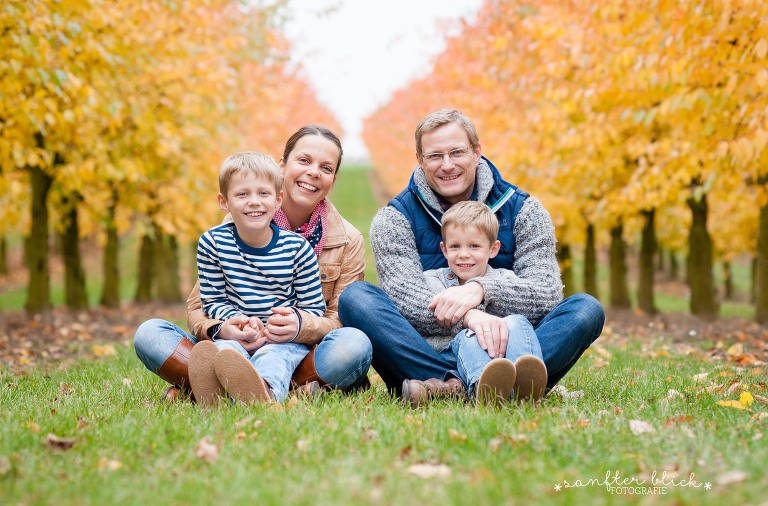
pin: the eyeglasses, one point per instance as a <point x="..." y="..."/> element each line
<point x="456" y="155"/>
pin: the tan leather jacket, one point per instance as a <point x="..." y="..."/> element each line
<point x="342" y="262"/>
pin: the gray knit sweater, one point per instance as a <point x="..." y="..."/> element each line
<point x="532" y="290"/>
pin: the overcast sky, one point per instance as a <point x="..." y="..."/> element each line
<point x="357" y="52"/>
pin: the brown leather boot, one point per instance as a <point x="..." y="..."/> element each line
<point x="306" y="373"/>
<point x="418" y="393"/>
<point x="175" y="371"/>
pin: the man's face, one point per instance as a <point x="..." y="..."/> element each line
<point x="451" y="176"/>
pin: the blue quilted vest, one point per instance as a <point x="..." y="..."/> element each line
<point x="505" y="200"/>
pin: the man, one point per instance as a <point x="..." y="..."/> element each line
<point x="405" y="236"/>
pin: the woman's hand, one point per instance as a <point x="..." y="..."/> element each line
<point x="452" y="304"/>
<point x="492" y="332"/>
<point x="282" y="326"/>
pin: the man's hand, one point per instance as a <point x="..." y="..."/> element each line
<point x="241" y="328"/>
<point x="452" y="304"/>
<point x="282" y="326"/>
<point x="492" y="332"/>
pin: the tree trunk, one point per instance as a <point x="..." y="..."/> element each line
<point x="700" y="276"/>
<point x="661" y="261"/>
<point x="674" y="265"/>
<point x="167" y="269"/>
<point x="38" y="289"/>
<point x="75" y="295"/>
<point x="566" y="268"/>
<point x="590" y="263"/>
<point x="753" y="279"/>
<point x="646" y="271"/>
<point x="619" y="285"/>
<point x="3" y="256"/>
<point x="727" y="280"/>
<point x="110" y="294"/>
<point x="761" y="269"/>
<point x="146" y="271"/>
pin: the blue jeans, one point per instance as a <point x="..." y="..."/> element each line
<point x="400" y="353"/>
<point x="342" y="358"/>
<point x="470" y="358"/>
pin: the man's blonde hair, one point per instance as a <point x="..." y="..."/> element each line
<point x="251" y="162"/>
<point x="442" y="117"/>
<point x="471" y="213"/>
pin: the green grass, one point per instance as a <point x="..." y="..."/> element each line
<point x="353" y="197"/>
<point x="358" y="449"/>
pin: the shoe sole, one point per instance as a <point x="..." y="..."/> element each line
<point x="202" y="378"/>
<point x="240" y="379"/>
<point x="496" y="382"/>
<point x="531" y="379"/>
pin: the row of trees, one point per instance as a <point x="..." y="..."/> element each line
<point x="114" y="117"/>
<point x="628" y="119"/>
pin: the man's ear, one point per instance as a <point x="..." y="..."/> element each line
<point x="222" y="203"/>
<point x="418" y="159"/>
<point x="442" y="248"/>
<point x="495" y="248"/>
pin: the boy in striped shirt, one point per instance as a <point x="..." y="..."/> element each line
<point x="250" y="267"/>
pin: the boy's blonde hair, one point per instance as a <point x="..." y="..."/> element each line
<point x="471" y="213"/>
<point x="252" y="162"/>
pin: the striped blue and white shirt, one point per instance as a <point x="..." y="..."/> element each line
<point x="237" y="279"/>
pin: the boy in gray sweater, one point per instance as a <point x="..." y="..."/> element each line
<point x="469" y="232"/>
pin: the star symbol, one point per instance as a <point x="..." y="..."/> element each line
<point x="707" y="485"/>
<point x="557" y="488"/>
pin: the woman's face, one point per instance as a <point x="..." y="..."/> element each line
<point x="309" y="172"/>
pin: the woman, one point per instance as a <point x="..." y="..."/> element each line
<point x="341" y="355"/>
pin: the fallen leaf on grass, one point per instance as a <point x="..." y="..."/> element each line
<point x="303" y="444"/>
<point x="745" y="401"/>
<point x="59" y="443"/>
<point x="676" y="420"/>
<point x="104" y="350"/>
<point x="599" y="363"/>
<point x="641" y="427"/>
<point x="736" y="349"/>
<point x="757" y="371"/>
<point x="456" y="435"/>
<point x="762" y="400"/>
<point x="567" y="394"/>
<point x="109" y="465"/>
<point x="583" y="422"/>
<point x="292" y="402"/>
<point x="731" y="477"/>
<point x="5" y="465"/>
<point x="81" y="423"/>
<point x="700" y="378"/>
<point x="429" y="471"/>
<point x="66" y="388"/>
<point x="206" y="450"/>
<point x="32" y="426"/>
<point x="673" y="394"/>
<point x="370" y="435"/>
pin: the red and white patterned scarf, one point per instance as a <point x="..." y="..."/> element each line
<point x="314" y="230"/>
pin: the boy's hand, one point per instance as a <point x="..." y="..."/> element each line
<point x="238" y="328"/>
<point x="282" y="326"/>
<point x="251" y="346"/>
<point x="254" y="326"/>
<point x="452" y="304"/>
<point x="492" y="332"/>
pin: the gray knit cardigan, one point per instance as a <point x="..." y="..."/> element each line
<point x="532" y="290"/>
